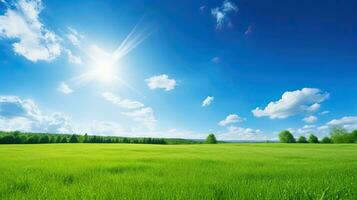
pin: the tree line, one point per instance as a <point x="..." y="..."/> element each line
<point x="337" y="135"/>
<point x="17" y="137"/>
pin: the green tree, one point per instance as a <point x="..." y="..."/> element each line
<point x="302" y="139"/>
<point x="341" y="135"/>
<point x="211" y="139"/>
<point x="73" y="139"/>
<point x="286" y="137"/>
<point x="44" y="139"/>
<point x="313" y="139"/>
<point x="33" y="139"/>
<point x="326" y="140"/>
<point x="64" y="139"/>
<point x="86" y="140"/>
<point x="354" y="136"/>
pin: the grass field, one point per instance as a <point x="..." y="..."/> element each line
<point x="135" y="171"/>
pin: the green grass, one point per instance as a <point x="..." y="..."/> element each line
<point x="222" y="171"/>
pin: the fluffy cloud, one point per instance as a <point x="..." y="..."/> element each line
<point x="24" y="115"/>
<point x="310" y="119"/>
<point x="207" y="101"/>
<point x="221" y="13"/>
<point x="123" y="103"/>
<point x="306" y="100"/>
<point x="347" y="122"/>
<point x="240" y="133"/>
<point x="230" y="119"/>
<point x="33" y="41"/>
<point x="161" y="81"/>
<point x="64" y="88"/>
<point x="143" y="115"/>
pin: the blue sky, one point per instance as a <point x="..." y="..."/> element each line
<point x="240" y="69"/>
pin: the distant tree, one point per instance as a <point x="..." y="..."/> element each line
<point x="211" y="139"/>
<point x="44" y="139"/>
<point x="354" y="136"/>
<point x="302" y="139"/>
<point x="341" y="135"/>
<point x="313" y="139"/>
<point x="286" y="137"/>
<point x="86" y="140"/>
<point x="34" y="139"/>
<point x="326" y="140"/>
<point x="58" y="139"/>
<point x="73" y="139"/>
<point x="64" y="139"/>
<point x="7" y="139"/>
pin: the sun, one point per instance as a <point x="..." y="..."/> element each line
<point x="104" y="66"/>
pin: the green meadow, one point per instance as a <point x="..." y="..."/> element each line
<point x="196" y="171"/>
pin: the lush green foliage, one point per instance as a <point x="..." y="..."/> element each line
<point x="286" y="137"/>
<point x="17" y="137"/>
<point x="341" y="135"/>
<point x="326" y="140"/>
<point x="220" y="171"/>
<point x="302" y="139"/>
<point x="313" y="139"/>
<point x="211" y="139"/>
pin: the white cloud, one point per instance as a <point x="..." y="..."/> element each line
<point x="292" y="103"/>
<point x="123" y="103"/>
<point x="207" y="101"/>
<point x="161" y="81"/>
<point x="310" y="119"/>
<point x="347" y="122"/>
<point x="202" y="8"/>
<point x="324" y="112"/>
<point x="230" y="119"/>
<point x="74" y="37"/>
<point x="24" y="115"/>
<point x="240" y="133"/>
<point x="143" y="115"/>
<point x="33" y="41"/>
<point x="72" y="58"/>
<point x="64" y="88"/>
<point x="221" y="13"/>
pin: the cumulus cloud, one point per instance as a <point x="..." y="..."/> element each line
<point x="24" y="115"/>
<point x="306" y="100"/>
<point x="230" y="119"/>
<point x="161" y="81"/>
<point x="32" y="39"/>
<point x="207" y="101"/>
<point x="64" y="88"/>
<point x="143" y="115"/>
<point x="310" y="119"/>
<point x="347" y="122"/>
<point x="123" y="103"/>
<point x="221" y="13"/>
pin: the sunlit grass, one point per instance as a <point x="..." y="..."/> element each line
<point x="135" y="171"/>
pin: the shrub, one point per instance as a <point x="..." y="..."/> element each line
<point x="313" y="139"/>
<point x="326" y="140"/>
<point x="286" y="137"/>
<point x="302" y="139"/>
<point x="211" y="139"/>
